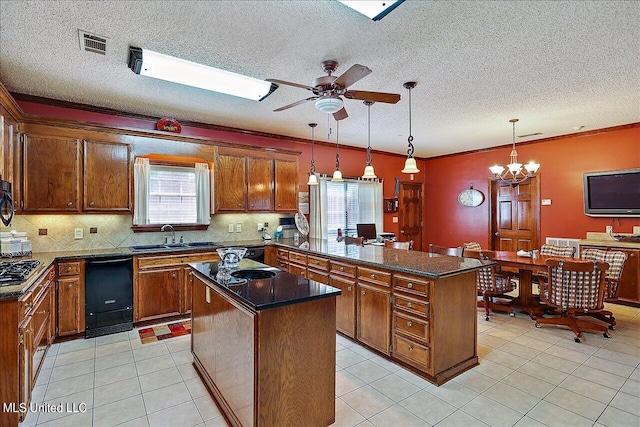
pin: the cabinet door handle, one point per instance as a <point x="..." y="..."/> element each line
<point x="28" y="305"/>
<point x="410" y="305"/>
<point x="373" y="276"/>
<point x="409" y="324"/>
<point x="69" y="286"/>
<point x="173" y="276"/>
<point x="341" y="268"/>
<point x="70" y="204"/>
<point x="410" y="285"/>
<point x="349" y="288"/>
<point x="91" y="204"/>
<point x="362" y="292"/>
<point x="410" y="347"/>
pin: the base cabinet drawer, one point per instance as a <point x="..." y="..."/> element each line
<point x="320" y="277"/>
<point x="298" y="270"/>
<point x="411" y="352"/>
<point x="411" y="305"/>
<point x="412" y="326"/>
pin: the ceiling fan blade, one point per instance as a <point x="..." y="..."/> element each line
<point x="302" y="101"/>
<point x="284" y="82"/>
<point x="352" y="75"/>
<point x="341" y="114"/>
<point x="389" y="98"/>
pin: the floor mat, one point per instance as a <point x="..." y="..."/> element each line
<point x="162" y="332"/>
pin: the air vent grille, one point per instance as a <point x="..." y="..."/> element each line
<point x="92" y="42"/>
<point x="530" y="134"/>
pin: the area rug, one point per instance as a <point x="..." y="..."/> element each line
<point x="162" y="332"/>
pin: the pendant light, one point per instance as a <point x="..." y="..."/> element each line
<point x="410" y="164"/>
<point x="337" y="175"/>
<point x="514" y="173"/>
<point x="313" y="179"/>
<point x="368" y="170"/>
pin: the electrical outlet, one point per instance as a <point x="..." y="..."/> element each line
<point x="266" y="224"/>
<point x="93" y="230"/>
<point x="608" y="229"/>
<point x="230" y="228"/>
<point x="260" y="226"/>
<point x="395" y="219"/>
<point x="636" y="230"/>
<point x="239" y="227"/>
<point x="78" y="234"/>
<point x="42" y="231"/>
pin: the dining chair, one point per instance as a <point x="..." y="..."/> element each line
<point x="398" y="245"/>
<point x="574" y="289"/>
<point x="443" y="250"/>
<point x="616" y="261"/>
<point x="472" y="246"/>
<point x="549" y="249"/>
<point x="348" y="240"/>
<point x="492" y="284"/>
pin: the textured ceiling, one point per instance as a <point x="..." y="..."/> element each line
<point x="552" y="64"/>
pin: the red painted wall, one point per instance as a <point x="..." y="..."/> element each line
<point x="562" y="161"/>
<point x="445" y="221"/>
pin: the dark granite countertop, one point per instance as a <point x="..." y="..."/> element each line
<point x="414" y="262"/>
<point x="264" y="293"/>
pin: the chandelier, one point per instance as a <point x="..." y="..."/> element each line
<point x="313" y="179"/>
<point x="514" y="173"/>
<point x="368" y="170"/>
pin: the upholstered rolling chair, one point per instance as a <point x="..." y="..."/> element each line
<point x="442" y="250"/>
<point x="348" y="240"/>
<point x="492" y="284"/>
<point x="616" y="261"/>
<point x="398" y="245"/>
<point x="554" y="251"/>
<point x="574" y="289"/>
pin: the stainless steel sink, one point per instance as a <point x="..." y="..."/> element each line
<point x="253" y="274"/>
<point x="147" y="247"/>
<point x="166" y="246"/>
<point x="201" y="244"/>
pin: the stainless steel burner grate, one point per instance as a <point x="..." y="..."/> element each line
<point x="14" y="272"/>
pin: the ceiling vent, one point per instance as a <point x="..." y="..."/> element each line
<point x="530" y="134"/>
<point x="92" y="42"/>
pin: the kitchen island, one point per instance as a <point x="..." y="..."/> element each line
<point x="414" y="308"/>
<point x="265" y="347"/>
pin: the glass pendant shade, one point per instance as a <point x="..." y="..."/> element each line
<point x="532" y="167"/>
<point x="410" y="166"/>
<point x="329" y="104"/>
<point x="496" y="170"/>
<point x="337" y="176"/>
<point x="369" y="173"/>
<point x="313" y="180"/>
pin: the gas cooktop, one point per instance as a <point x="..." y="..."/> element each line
<point x="15" y="272"/>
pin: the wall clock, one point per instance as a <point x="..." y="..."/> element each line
<point x="471" y="197"/>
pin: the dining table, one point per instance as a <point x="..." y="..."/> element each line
<point x="527" y="267"/>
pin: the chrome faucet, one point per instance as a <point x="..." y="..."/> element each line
<point x="173" y="232"/>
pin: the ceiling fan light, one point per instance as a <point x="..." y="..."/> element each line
<point x="369" y="173"/>
<point x="337" y="176"/>
<point x="313" y="180"/>
<point x="329" y="104"/>
<point x="410" y="166"/>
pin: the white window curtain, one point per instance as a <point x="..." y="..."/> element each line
<point x="203" y="193"/>
<point x="141" y="169"/>
<point x="343" y="205"/>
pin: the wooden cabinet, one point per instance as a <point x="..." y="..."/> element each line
<point x="343" y="277"/>
<point x="70" y="298"/>
<point x="286" y="185"/>
<point x="260" y="184"/>
<point x="629" y="286"/>
<point x="239" y="354"/>
<point x="373" y="308"/>
<point x="107" y="177"/>
<point x="231" y="186"/>
<point x="162" y="284"/>
<point x="247" y="182"/>
<point x="51" y="174"/>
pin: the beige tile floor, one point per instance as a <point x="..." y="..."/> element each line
<point x="526" y="377"/>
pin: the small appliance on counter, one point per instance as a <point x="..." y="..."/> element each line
<point x="14" y="243"/>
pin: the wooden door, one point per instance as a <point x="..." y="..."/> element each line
<point x="70" y="316"/>
<point x="286" y="186"/>
<point x="107" y="177"/>
<point x="515" y="215"/>
<point x="203" y="342"/>
<point x="410" y="213"/>
<point x="157" y="293"/>
<point x="345" y="305"/>
<point x="629" y="287"/>
<point x="259" y="184"/>
<point x="374" y="319"/>
<point x="51" y="174"/>
<point x="230" y="183"/>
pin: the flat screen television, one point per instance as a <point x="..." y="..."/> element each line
<point x="612" y="193"/>
<point x="368" y="231"/>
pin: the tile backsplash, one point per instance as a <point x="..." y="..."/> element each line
<point x="115" y="230"/>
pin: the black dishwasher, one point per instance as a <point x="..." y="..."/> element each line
<point x="108" y="295"/>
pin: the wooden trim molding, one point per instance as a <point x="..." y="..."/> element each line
<point x="9" y="103"/>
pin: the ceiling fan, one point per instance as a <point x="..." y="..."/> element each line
<point x="328" y="90"/>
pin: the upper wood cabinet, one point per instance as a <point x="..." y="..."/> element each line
<point x="107" y="174"/>
<point x="286" y="185"/>
<point x="246" y="182"/>
<point x="51" y="174"/>
<point x="230" y="183"/>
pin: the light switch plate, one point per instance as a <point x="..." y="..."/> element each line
<point x="395" y="219"/>
<point x="546" y="202"/>
<point x="239" y="227"/>
<point x="78" y="234"/>
<point x="636" y="230"/>
<point x="230" y="228"/>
